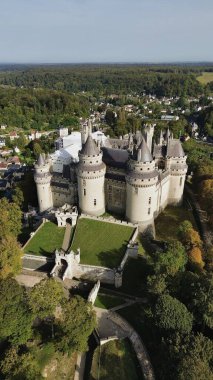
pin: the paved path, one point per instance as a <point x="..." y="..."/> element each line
<point x="28" y="280"/>
<point x="67" y="235"/>
<point x="127" y="303"/>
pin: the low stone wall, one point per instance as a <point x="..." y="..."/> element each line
<point x="140" y="349"/>
<point x="41" y="223"/>
<point x="95" y="273"/>
<point x="38" y="258"/>
<point x="109" y="220"/>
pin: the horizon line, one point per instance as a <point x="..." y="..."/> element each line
<point x="111" y="63"/>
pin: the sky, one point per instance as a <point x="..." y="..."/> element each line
<point x="74" y="31"/>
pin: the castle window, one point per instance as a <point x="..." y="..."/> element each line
<point x="95" y="202"/>
<point x="181" y="181"/>
<point x="84" y="191"/>
<point x="150" y="200"/>
<point x="149" y="211"/>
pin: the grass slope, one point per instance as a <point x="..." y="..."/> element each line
<point x="46" y="240"/>
<point x="101" y="243"/>
<point x="117" y="362"/>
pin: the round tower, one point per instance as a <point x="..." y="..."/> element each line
<point x="42" y="179"/>
<point x="141" y="180"/>
<point x="91" y="174"/>
<point x="177" y="167"/>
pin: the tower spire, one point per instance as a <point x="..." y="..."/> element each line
<point x="144" y="154"/>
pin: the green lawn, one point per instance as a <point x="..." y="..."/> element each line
<point x="107" y="302"/>
<point x="117" y="360"/>
<point x="168" y="221"/>
<point x="101" y="243"/>
<point x="46" y="240"/>
<point x="205" y="78"/>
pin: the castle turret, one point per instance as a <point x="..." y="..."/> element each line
<point x="176" y="164"/>
<point x="141" y="182"/>
<point x="42" y="179"/>
<point x="161" y="139"/>
<point x="91" y="174"/>
<point x="84" y="133"/>
<point x="149" y="132"/>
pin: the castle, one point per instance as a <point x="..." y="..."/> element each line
<point x="129" y="176"/>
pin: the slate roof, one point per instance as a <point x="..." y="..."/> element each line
<point x="159" y="151"/>
<point x="40" y="161"/>
<point x="115" y="157"/>
<point x="174" y="149"/>
<point x="90" y="148"/>
<point x="144" y="154"/>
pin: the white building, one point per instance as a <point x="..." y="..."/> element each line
<point x="119" y="175"/>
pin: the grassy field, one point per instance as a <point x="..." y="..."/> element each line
<point x="107" y="302"/>
<point x="117" y="362"/>
<point x="168" y="221"/>
<point x="206" y="77"/>
<point x="46" y="240"/>
<point x="101" y="243"/>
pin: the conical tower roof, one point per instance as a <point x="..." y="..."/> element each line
<point x="41" y="160"/>
<point x="90" y="148"/>
<point x="144" y="154"/>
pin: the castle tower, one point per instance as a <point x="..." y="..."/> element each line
<point x="91" y="174"/>
<point x="84" y="133"/>
<point x="149" y="133"/>
<point x="161" y="138"/>
<point x="176" y="164"/>
<point x="141" y="179"/>
<point x="42" y="179"/>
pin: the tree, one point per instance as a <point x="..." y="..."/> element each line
<point x="15" y="315"/>
<point x="156" y="284"/>
<point x="77" y="324"/>
<point x="37" y="149"/>
<point x="188" y="236"/>
<point x="172" y="315"/>
<point x="171" y="261"/>
<point x="201" y="300"/>
<point x="10" y="256"/>
<point x="18" y="196"/>
<point x="45" y="297"/>
<point x="197" y="363"/>
<point x="10" y="218"/>
<point x="110" y="117"/>
<point x="195" y="257"/>
<point x="19" y="366"/>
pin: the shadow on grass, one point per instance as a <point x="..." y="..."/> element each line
<point x="42" y="252"/>
<point x="113" y="258"/>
